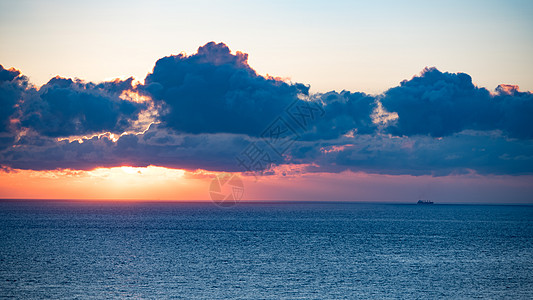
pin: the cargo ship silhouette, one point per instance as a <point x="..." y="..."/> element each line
<point x="424" y="202"/>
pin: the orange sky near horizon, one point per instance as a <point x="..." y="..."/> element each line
<point x="164" y="184"/>
<point x="119" y="183"/>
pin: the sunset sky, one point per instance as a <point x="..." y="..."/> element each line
<point x="304" y="100"/>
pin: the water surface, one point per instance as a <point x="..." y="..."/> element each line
<point x="285" y="250"/>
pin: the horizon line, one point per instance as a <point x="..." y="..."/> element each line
<point x="206" y="201"/>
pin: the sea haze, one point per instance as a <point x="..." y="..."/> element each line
<point x="58" y="249"/>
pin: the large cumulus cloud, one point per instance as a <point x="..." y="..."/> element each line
<point x="440" y="104"/>
<point x="215" y="91"/>
<point x="344" y="112"/>
<point x="65" y="107"/>
<point x="12" y="86"/>
<point x="211" y="106"/>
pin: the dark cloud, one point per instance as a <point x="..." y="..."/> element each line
<point x="157" y="146"/>
<point x="214" y="91"/>
<point x="482" y="153"/>
<point x="466" y="152"/>
<point x="212" y="105"/>
<point x="440" y="104"/>
<point x="343" y="113"/>
<point x="65" y="107"/>
<point x="12" y="87"/>
<point x="515" y="111"/>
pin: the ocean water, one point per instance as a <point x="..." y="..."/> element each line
<point x="81" y="250"/>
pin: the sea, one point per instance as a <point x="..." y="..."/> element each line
<point x="281" y="250"/>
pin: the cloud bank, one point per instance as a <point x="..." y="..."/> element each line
<point x="64" y="107"/>
<point x="210" y="110"/>
<point x="441" y="104"/>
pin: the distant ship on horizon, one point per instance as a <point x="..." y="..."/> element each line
<point x="424" y="202"/>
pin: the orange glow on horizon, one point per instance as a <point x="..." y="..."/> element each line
<point x="284" y="182"/>
<point x="118" y="183"/>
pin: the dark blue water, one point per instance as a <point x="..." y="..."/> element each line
<point x="272" y="251"/>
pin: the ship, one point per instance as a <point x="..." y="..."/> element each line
<point x="424" y="202"/>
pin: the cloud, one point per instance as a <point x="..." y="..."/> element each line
<point x="467" y="152"/>
<point x="12" y="86"/>
<point x="441" y="104"/>
<point x="214" y="91"/>
<point x="516" y="111"/>
<point x="344" y="112"/>
<point x="208" y="108"/>
<point x="65" y="107"/>
<point x="462" y="153"/>
<point x="156" y="146"/>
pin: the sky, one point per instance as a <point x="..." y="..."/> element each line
<point x="304" y="100"/>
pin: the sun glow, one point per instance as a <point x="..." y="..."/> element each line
<point x="117" y="183"/>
